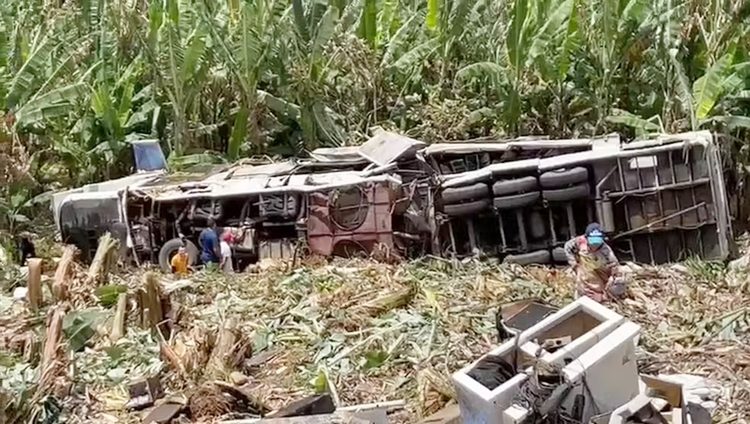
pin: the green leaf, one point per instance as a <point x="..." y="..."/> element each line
<point x="683" y="90"/>
<point x="326" y="125"/>
<point x="117" y="375"/>
<point x="80" y="326"/>
<point x="173" y="10"/>
<point x="626" y="118"/>
<point x="456" y="20"/>
<point x="433" y="12"/>
<point x="67" y="95"/>
<point x="514" y="41"/>
<point x="108" y="294"/>
<point x="350" y="15"/>
<point x="17" y="217"/>
<point x="320" y="382"/>
<point x="196" y="48"/>
<point x="188" y="161"/>
<point x="374" y="359"/>
<point x="31" y="69"/>
<point x="482" y="71"/>
<point x="634" y="11"/>
<point x="409" y="60"/>
<point x="386" y="19"/>
<point x="732" y="121"/>
<point x="398" y="41"/>
<point x="141" y="115"/>
<point x="115" y="353"/>
<point x="18" y="200"/>
<point x="155" y="21"/>
<point x="708" y="88"/>
<point x="368" y="22"/>
<point x="124" y="104"/>
<point x="239" y="132"/>
<point x="570" y="43"/>
<point x="300" y="20"/>
<point x="324" y="32"/>
<point x="279" y="106"/>
<point x="550" y="30"/>
<point x="103" y="107"/>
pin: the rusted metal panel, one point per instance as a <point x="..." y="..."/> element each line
<point x="350" y="228"/>
<point x="277" y="249"/>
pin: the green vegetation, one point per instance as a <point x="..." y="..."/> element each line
<point x="218" y="80"/>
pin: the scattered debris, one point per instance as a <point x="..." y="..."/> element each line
<point x="163" y="413"/>
<point x="237" y="378"/>
<point x="451" y="414"/>
<point x="144" y="392"/>
<point x="20" y="293"/>
<point x="532" y="376"/>
<point x="210" y="401"/>
<point x="239" y="346"/>
<point x="312" y="405"/>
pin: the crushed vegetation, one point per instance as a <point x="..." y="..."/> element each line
<point x="362" y="330"/>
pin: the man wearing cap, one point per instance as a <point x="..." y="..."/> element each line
<point x="593" y="262"/>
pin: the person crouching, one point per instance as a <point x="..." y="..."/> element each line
<point x="594" y="264"/>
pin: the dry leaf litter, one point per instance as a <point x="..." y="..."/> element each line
<point x="365" y="331"/>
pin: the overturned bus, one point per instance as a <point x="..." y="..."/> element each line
<point x="658" y="200"/>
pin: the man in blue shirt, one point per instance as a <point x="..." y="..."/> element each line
<point x="209" y="242"/>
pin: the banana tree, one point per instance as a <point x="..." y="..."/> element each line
<point x="245" y="42"/>
<point x="176" y="48"/>
<point x="614" y="26"/>
<point x="315" y="26"/>
<point x="705" y="103"/>
<point x="532" y="29"/>
<point x="550" y="54"/>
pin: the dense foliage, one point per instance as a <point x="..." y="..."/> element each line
<point x="218" y="80"/>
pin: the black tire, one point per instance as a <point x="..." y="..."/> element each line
<point x="559" y="256"/>
<point x="568" y="193"/>
<point x="516" y="200"/>
<point x="463" y="209"/>
<point x="518" y="185"/>
<point x="460" y="194"/>
<point x="563" y="178"/>
<point x="537" y="257"/>
<point x="170" y="248"/>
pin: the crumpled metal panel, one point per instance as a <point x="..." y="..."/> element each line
<point x="386" y="147"/>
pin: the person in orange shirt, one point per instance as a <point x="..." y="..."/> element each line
<point x="180" y="262"/>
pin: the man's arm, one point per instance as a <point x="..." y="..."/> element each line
<point x="571" y="251"/>
<point x="217" y="246"/>
<point x="609" y="254"/>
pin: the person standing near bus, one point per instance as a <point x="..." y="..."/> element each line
<point x="209" y="242"/>
<point x="227" y="239"/>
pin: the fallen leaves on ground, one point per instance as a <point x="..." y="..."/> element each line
<point x="373" y="332"/>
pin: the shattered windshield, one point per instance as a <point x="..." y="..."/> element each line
<point x="148" y="156"/>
